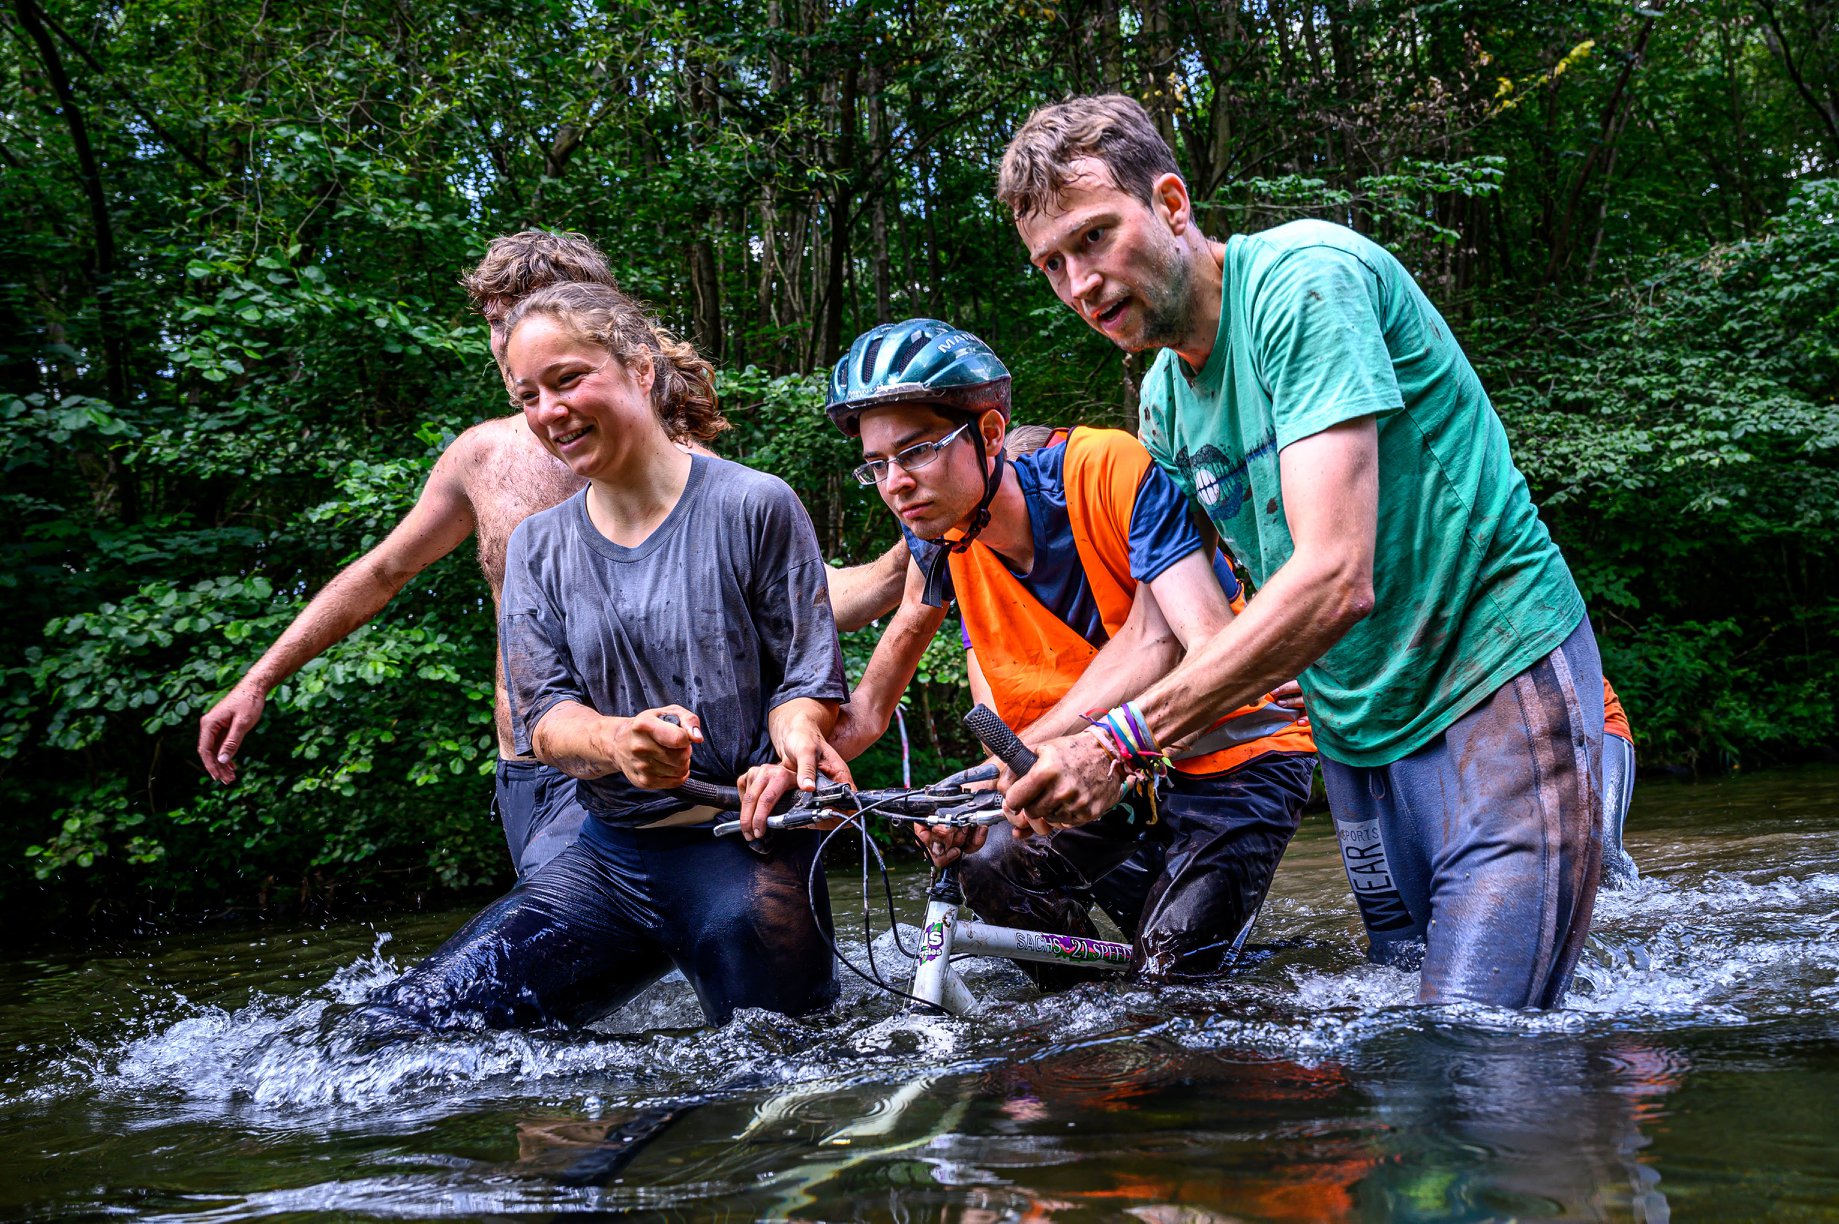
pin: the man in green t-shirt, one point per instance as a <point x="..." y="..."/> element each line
<point x="1314" y="403"/>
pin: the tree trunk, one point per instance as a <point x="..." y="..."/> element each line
<point x="102" y="277"/>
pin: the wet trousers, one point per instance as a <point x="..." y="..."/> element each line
<point x="614" y="912"/>
<point x="537" y="808"/>
<point x="1481" y="851"/>
<point x="1183" y="888"/>
<point x="1619" y="870"/>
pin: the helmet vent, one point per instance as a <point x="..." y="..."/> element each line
<point x="911" y="349"/>
<point x="868" y="358"/>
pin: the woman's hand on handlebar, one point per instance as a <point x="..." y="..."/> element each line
<point x="797" y="728"/>
<point x="762" y="788"/>
<point x="804" y="753"/>
<point x="653" y="751"/>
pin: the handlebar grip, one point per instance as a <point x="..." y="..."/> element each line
<point x="985" y="772"/>
<point x="996" y="736"/>
<point x="707" y="794"/>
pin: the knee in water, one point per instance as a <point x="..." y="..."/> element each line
<point x="1406" y="954"/>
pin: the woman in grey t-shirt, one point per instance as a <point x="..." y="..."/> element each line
<point x="673" y="585"/>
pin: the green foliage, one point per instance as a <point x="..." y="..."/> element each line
<point x="1682" y="436"/>
<point x="233" y="341"/>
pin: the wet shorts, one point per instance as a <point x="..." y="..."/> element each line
<point x="536" y="804"/>
<point x="1184" y="888"/>
<point x="1481" y="851"/>
<point x="613" y="913"/>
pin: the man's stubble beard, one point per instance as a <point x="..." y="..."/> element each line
<point x="1166" y="308"/>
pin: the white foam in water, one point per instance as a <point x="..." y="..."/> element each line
<point x="1722" y="949"/>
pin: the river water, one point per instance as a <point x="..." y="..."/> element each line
<point x="1694" y="1072"/>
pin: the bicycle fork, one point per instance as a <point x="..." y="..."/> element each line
<point x="934" y="980"/>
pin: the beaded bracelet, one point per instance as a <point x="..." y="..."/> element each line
<point x="1124" y="733"/>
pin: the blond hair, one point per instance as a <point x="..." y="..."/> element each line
<point x="682" y="383"/>
<point x="1108" y="128"/>
<point x="1021" y="439"/>
<point x="517" y="265"/>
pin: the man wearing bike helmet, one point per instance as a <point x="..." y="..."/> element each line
<point x="1081" y="580"/>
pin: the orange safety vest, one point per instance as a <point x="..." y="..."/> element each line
<point x="1031" y="657"/>
<point x="1615" y="719"/>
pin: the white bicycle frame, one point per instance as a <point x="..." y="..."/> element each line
<point x="944" y="935"/>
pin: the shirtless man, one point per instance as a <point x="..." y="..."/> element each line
<point x="488" y="481"/>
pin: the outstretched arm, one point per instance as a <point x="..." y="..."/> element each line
<point x="862" y="593"/>
<point x="890" y="670"/>
<point x="442" y="517"/>
<point x="1331" y="503"/>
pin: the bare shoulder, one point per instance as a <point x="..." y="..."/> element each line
<point x="494" y="440"/>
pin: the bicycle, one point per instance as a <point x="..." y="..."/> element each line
<point x="944" y="935"/>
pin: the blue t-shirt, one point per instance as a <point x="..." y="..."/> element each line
<point x="1161" y="533"/>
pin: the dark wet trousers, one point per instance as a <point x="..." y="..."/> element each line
<point x="1482" y="850"/>
<point x="537" y="807"/>
<point x="612" y="914"/>
<point x="1619" y="870"/>
<point x="1183" y="888"/>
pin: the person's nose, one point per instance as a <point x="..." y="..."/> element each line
<point x="898" y="480"/>
<point x="1083" y="280"/>
<point x="551" y="406"/>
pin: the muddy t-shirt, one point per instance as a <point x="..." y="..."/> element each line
<point x="724" y="609"/>
<point x="1319" y="325"/>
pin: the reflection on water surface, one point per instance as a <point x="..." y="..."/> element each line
<point x="1691" y="1072"/>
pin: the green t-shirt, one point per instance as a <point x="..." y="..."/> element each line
<point x="1319" y="325"/>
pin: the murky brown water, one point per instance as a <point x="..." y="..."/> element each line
<point x="1694" y="1071"/>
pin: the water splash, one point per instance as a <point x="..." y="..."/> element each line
<point x="1725" y="949"/>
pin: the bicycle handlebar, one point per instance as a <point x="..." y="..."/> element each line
<point x="996" y="736"/>
<point x="942" y="803"/>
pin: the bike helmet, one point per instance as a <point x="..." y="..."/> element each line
<point x="924" y="361"/>
<point x="920" y="360"/>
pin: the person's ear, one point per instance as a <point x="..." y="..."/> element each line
<point x="642" y="369"/>
<point x="993" y="428"/>
<point x="1168" y="199"/>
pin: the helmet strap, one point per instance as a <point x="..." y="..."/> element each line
<point x="939" y="570"/>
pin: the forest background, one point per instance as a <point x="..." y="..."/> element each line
<point x="232" y="342"/>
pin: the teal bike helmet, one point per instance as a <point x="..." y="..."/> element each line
<point x="917" y="361"/>
<point x="924" y="361"/>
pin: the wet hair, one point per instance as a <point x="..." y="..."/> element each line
<point x="517" y="265"/>
<point x="683" y="382"/>
<point x="1107" y="128"/>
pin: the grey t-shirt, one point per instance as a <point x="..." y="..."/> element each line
<point x="724" y="609"/>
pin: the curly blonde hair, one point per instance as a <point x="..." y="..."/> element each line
<point x="683" y="382"/>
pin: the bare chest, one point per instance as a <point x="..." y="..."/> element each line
<point x="511" y="482"/>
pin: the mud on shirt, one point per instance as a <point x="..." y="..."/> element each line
<point x="724" y="609"/>
<point x="1318" y="326"/>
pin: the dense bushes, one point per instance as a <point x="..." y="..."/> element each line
<point x="231" y="343"/>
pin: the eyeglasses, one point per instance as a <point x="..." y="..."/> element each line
<point x="910" y="460"/>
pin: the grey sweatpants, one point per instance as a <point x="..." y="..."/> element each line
<point x="1483" y="849"/>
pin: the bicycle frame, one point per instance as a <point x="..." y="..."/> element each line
<point x="944" y="935"/>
